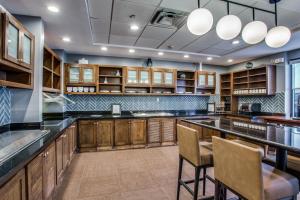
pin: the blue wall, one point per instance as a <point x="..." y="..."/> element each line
<point x="5" y="106"/>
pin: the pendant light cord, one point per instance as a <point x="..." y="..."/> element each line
<point x="276" y="19"/>
<point x="228" y="11"/>
<point x="198" y="3"/>
<point x="253" y="14"/>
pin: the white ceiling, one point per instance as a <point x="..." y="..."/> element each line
<point x="91" y="23"/>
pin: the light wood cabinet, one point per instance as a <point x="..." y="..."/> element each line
<point x="154" y="131"/>
<point x="49" y="171"/>
<point x="208" y="133"/>
<point x="168" y="130"/>
<point x="35" y="178"/>
<point x="138" y="132"/>
<point x="122" y="133"/>
<point x="87" y="134"/>
<point x="138" y="75"/>
<point x="161" y="131"/>
<point x="105" y="130"/>
<point x="163" y="77"/>
<point x="14" y="189"/>
<point x="206" y="82"/>
<point x="84" y="74"/>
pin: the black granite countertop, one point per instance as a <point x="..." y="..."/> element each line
<point x="284" y="137"/>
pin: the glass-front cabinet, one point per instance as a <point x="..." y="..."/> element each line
<point x="169" y="78"/>
<point x="88" y="74"/>
<point x="206" y="79"/>
<point x="138" y="75"/>
<point x="158" y="78"/>
<point x="18" y="43"/>
<point x="74" y="74"/>
<point x="163" y="77"/>
<point x="81" y="74"/>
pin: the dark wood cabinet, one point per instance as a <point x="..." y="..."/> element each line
<point x="14" y="189"/>
<point x="138" y="132"/>
<point x="105" y="130"/>
<point x="206" y="82"/>
<point x="87" y="134"/>
<point x="49" y="171"/>
<point x="66" y="153"/>
<point x="35" y="178"/>
<point x="122" y="133"/>
<point x="59" y="158"/>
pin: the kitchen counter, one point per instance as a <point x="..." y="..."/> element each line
<point x="280" y="120"/>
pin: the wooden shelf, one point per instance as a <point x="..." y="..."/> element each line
<point x="188" y="86"/>
<point x="46" y="89"/>
<point x="110" y="76"/>
<point x="110" y="84"/>
<point x="240" y="77"/>
<point x="15" y="84"/>
<point x="243" y="83"/>
<point x="185" y="79"/>
<point x="260" y="74"/>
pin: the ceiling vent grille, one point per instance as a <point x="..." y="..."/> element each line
<point x="168" y="18"/>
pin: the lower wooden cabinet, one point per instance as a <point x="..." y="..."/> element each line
<point x="198" y="129"/>
<point x="208" y="133"/>
<point x="87" y="134"/>
<point x="154" y="131"/>
<point x="138" y="132"/>
<point x="66" y="153"/>
<point x="35" y="178"/>
<point x="59" y="158"/>
<point x="122" y="132"/>
<point x="14" y="189"/>
<point x="49" y="171"/>
<point x="168" y="130"/>
<point x="105" y="132"/>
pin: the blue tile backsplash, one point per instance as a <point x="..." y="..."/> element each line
<point x="274" y="104"/>
<point x="133" y="103"/>
<point x="5" y="106"/>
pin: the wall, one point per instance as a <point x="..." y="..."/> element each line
<point x="26" y="105"/>
<point x="5" y="106"/>
<point x="274" y="103"/>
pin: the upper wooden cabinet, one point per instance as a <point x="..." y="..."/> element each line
<point x="206" y="82"/>
<point x="163" y="77"/>
<point x="18" y="42"/>
<point x="81" y="78"/>
<point x="138" y="75"/>
<point x="17" y="53"/>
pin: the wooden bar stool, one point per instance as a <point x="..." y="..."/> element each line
<point x="191" y="151"/>
<point x="240" y="169"/>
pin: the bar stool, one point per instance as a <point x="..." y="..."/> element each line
<point x="240" y="169"/>
<point x="191" y="151"/>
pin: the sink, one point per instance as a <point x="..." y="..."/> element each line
<point x="152" y="114"/>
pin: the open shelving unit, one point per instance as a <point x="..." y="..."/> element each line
<point x="51" y="71"/>
<point x="257" y="81"/>
<point x="226" y="87"/>
<point x="186" y="82"/>
<point x="111" y="80"/>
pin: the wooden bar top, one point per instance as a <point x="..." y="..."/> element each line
<point x="280" y="120"/>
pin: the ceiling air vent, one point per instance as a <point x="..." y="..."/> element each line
<point x="168" y="18"/>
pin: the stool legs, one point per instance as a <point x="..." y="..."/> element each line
<point x="204" y="181"/>
<point x="196" y="184"/>
<point x="179" y="176"/>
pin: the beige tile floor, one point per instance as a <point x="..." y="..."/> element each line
<point x="139" y="174"/>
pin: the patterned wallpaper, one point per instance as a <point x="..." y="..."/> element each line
<point x="5" y="106"/>
<point x="132" y="103"/>
<point x="274" y="104"/>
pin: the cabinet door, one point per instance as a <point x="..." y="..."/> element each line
<point x="49" y="176"/>
<point x="74" y="128"/>
<point x="88" y="75"/>
<point x="66" y="153"/>
<point x="157" y="77"/>
<point x="201" y="80"/>
<point x="105" y="133"/>
<point x="12" y="40"/>
<point x="169" y="78"/>
<point x="35" y="178"/>
<point x="122" y="135"/>
<point x="168" y="130"/>
<point x="144" y="77"/>
<point x="138" y="131"/>
<point x="59" y="158"/>
<point x="154" y="131"/>
<point x="27" y="49"/>
<point x="132" y="76"/>
<point x="210" y="80"/>
<point x="74" y="74"/>
<point x="87" y="134"/>
<point x="14" y="189"/>
<point x="70" y="144"/>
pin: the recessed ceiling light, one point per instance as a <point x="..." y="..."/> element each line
<point x="229" y="60"/>
<point x="103" y="48"/>
<point x="186" y="56"/>
<point x="209" y="58"/>
<point x="131" y="50"/>
<point x="160" y="53"/>
<point x="66" y="39"/>
<point x="53" y="9"/>
<point x="235" y="42"/>
<point x="134" y="27"/>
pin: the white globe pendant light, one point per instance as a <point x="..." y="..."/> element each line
<point x="254" y="32"/>
<point x="200" y="21"/>
<point x="278" y="36"/>
<point x="228" y="27"/>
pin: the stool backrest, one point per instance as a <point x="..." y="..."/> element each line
<point x="188" y="144"/>
<point x="239" y="167"/>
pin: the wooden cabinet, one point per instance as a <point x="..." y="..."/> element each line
<point x="122" y="133"/>
<point x="163" y="77"/>
<point x="105" y="130"/>
<point x="137" y="75"/>
<point x="14" y="189"/>
<point x="154" y="131"/>
<point x="59" y="158"/>
<point x="87" y="134"/>
<point x="138" y="132"/>
<point x="49" y="171"/>
<point x="206" y="82"/>
<point x="161" y="131"/>
<point x="18" y="42"/>
<point x="35" y="178"/>
<point x="78" y="76"/>
<point x="66" y="153"/>
<point x="208" y="133"/>
<point x="168" y="130"/>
